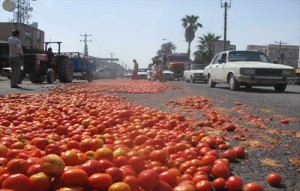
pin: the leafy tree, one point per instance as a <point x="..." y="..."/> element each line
<point x="204" y="54"/>
<point x="165" y="48"/>
<point x="190" y="23"/>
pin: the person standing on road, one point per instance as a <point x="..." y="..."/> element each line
<point x="159" y="71"/>
<point x="15" y="58"/>
<point x="135" y="70"/>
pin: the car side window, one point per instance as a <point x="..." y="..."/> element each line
<point x="215" y="61"/>
<point x="224" y="56"/>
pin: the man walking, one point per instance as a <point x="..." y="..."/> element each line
<point x="15" y="58"/>
<point x="135" y="70"/>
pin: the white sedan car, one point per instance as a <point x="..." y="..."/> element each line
<point x="247" y="68"/>
<point x="194" y="73"/>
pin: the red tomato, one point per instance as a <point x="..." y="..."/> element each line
<point x="220" y="171"/>
<point x="253" y="186"/>
<point x="274" y="179"/>
<point x="116" y="174"/>
<point x="219" y="183"/>
<point x="229" y="154"/>
<point x="70" y="157"/>
<point x="23" y="183"/>
<point x="148" y="179"/>
<point x="52" y="164"/>
<point x="16" y="166"/>
<point x="74" y="177"/>
<point x="53" y="149"/>
<point x="137" y="163"/>
<point x="132" y="181"/>
<point x="40" y="181"/>
<point x="234" y="183"/>
<point x="240" y="151"/>
<point x="91" y="167"/>
<point x="100" y="181"/>
<point x="197" y="178"/>
<point x="184" y="187"/>
<point x="119" y="186"/>
<point x="169" y="177"/>
<point x="208" y="159"/>
<point x="159" y="155"/>
<point x="128" y="170"/>
<point x="203" y="185"/>
<point x="120" y="161"/>
<point x="162" y="186"/>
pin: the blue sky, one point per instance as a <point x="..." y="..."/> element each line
<point x="135" y="29"/>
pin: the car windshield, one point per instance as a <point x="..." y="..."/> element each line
<point x="197" y="66"/>
<point x="236" y="56"/>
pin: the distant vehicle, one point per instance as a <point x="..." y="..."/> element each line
<point x="142" y="73"/>
<point x="104" y="73"/>
<point x="83" y="68"/>
<point x="167" y="75"/>
<point x="194" y="73"/>
<point x="176" y="62"/>
<point x="247" y="68"/>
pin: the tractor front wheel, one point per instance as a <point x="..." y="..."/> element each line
<point x="90" y="76"/>
<point x="36" y="78"/>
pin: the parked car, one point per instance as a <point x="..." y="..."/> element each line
<point x="142" y="73"/>
<point x="247" y="68"/>
<point x="194" y="73"/>
<point x="6" y="72"/>
<point x="104" y="73"/>
<point x="168" y="75"/>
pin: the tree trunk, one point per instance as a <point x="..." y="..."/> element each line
<point x="189" y="49"/>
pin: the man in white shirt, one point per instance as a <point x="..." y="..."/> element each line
<point x="15" y="58"/>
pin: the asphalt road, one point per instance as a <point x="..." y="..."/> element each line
<point x="286" y="103"/>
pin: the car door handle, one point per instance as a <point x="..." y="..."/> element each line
<point x="217" y="66"/>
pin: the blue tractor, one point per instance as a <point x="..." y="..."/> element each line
<point x="83" y="68"/>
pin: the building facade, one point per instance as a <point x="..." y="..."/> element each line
<point x="282" y="54"/>
<point x="30" y="35"/>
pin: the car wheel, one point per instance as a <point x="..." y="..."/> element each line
<point x="233" y="83"/>
<point x="211" y="83"/>
<point x="280" y="87"/>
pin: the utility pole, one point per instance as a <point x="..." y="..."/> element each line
<point x="85" y="43"/>
<point x="111" y="56"/>
<point x="280" y="53"/>
<point x="225" y="5"/>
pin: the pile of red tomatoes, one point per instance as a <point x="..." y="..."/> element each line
<point x="91" y="141"/>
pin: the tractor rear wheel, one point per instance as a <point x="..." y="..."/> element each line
<point x="65" y="70"/>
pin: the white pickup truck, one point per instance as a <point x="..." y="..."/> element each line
<point x="194" y="73"/>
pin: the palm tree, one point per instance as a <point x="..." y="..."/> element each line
<point x="190" y="23"/>
<point x="205" y="48"/>
<point x="165" y="48"/>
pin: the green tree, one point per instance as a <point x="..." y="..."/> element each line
<point x="165" y="48"/>
<point x="190" y="24"/>
<point x="204" y="54"/>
